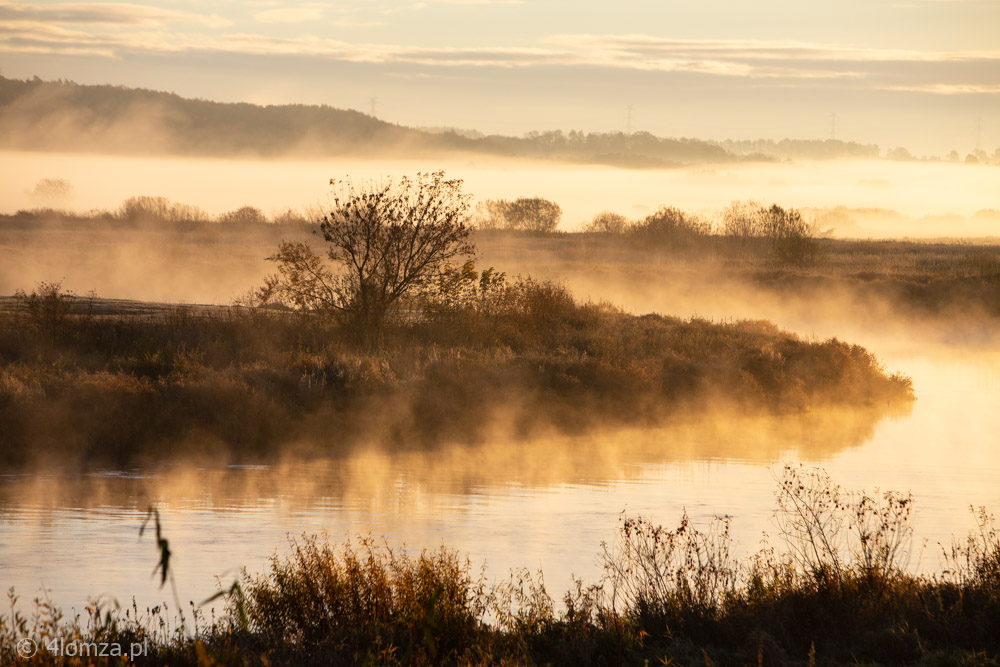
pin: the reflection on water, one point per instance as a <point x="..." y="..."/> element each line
<point x="538" y="504"/>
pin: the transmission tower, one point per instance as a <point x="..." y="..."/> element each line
<point x="372" y="101"/>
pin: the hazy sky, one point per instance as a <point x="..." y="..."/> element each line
<point x="920" y="73"/>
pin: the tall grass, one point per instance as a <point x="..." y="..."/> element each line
<point x="673" y="596"/>
<point x="82" y="383"/>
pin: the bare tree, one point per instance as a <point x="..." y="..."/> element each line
<point x="386" y="242"/>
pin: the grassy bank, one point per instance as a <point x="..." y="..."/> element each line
<point x="832" y="588"/>
<point x="91" y="382"/>
<point x="670" y="265"/>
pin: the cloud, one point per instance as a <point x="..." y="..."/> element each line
<point x="424" y="4"/>
<point x="790" y="52"/>
<point x="476" y="2"/>
<point x="289" y="15"/>
<point x="344" y="23"/>
<point x="775" y="63"/>
<point x="951" y="89"/>
<point x="104" y="13"/>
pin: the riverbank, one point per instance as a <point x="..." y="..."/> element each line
<point x="832" y="587"/>
<point x="87" y="382"/>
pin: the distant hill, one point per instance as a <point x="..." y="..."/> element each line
<point x="65" y="116"/>
<point x="43" y="115"/>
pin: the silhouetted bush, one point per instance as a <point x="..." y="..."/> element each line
<point x="52" y="190"/>
<point x="244" y="215"/>
<point x="136" y="210"/>
<point x="784" y="231"/>
<point x="370" y="599"/>
<point x="607" y="222"/>
<point x="531" y="214"/>
<point x="386" y="243"/>
<point x="671" y="227"/>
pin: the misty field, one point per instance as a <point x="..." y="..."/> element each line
<point x="545" y="335"/>
<point x="492" y="332"/>
<point x="85" y="386"/>
<point x="470" y="355"/>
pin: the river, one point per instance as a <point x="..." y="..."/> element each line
<point x="538" y="505"/>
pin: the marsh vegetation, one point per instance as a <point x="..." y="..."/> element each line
<point x="494" y="344"/>
<point x="831" y="587"/>
<point x="396" y="337"/>
<point x="81" y="384"/>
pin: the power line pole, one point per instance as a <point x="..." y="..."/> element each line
<point x="372" y="101"/>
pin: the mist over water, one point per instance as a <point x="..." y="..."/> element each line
<point x="503" y="503"/>
<point x="925" y="194"/>
<point x="537" y="504"/>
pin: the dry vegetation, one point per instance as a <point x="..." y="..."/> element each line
<point x="834" y="591"/>
<point x="458" y="356"/>
<point x="89" y="381"/>
<point x="152" y="249"/>
<point x="81" y="385"/>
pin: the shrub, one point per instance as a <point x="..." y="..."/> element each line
<point x="348" y="601"/>
<point x="607" y="222"/>
<point x="784" y="231"/>
<point x="47" y="308"/>
<point x="651" y="572"/>
<point x="831" y="533"/>
<point x="289" y="217"/>
<point x="532" y="214"/>
<point x="975" y="561"/>
<point x="671" y="226"/>
<point x="490" y="214"/>
<point x="52" y="190"/>
<point x="387" y="243"/>
<point x="158" y="209"/>
<point x="244" y="215"/>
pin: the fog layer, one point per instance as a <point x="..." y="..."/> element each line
<point x="938" y="199"/>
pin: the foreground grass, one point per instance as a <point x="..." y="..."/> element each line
<point x="89" y="382"/>
<point x="833" y="590"/>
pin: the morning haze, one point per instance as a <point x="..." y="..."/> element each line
<point x="475" y="332"/>
<point x="915" y="74"/>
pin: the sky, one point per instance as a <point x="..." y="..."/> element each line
<point x="923" y="74"/>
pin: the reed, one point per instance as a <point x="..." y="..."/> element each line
<point x="832" y="590"/>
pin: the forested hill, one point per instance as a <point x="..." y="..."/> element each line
<point x="45" y="115"/>
<point x="65" y="116"/>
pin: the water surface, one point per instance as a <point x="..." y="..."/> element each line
<point x="541" y="505"/>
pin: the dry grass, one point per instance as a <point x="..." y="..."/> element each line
<point x="80" y="386"/>
<point x="837" y="594"/>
